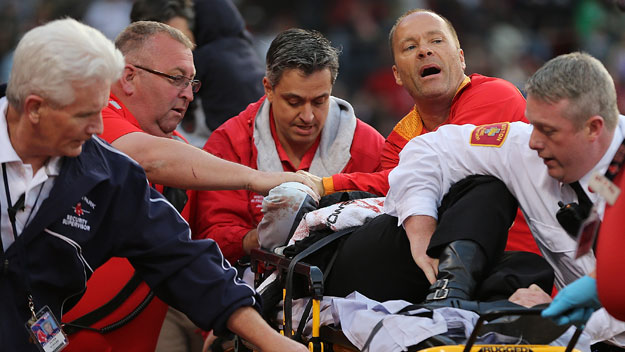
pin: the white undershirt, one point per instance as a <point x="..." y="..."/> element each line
<point x="21" y="180"/>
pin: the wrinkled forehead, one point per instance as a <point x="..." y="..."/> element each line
<point x="420" y="23"/>
<point x="163" y="52"/>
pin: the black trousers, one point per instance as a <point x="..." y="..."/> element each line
<point x="376" y="261"/>
<point x="605" y="347"/>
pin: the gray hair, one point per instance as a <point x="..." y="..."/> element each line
<point x="54" y="59"/>
<point x="308" y="51"/>
<point x="133" y="38"/>
<point x="391" y="34"/>
<point x="583" y="81"/>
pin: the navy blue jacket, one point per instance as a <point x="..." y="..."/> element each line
<point x="119" y="216"/>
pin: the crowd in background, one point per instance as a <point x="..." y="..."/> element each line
<point x="502" y="38"/>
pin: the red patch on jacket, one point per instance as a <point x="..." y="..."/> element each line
<point x="492" y="135"/>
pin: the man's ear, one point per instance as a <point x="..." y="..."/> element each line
<point x="462" y="62"/>
<point x="33" y="106"/>
<point x="397" y="78"/>
<point x="128" y="80"/>
<point x="268" y="89"/>
<point x="594" y="127"/>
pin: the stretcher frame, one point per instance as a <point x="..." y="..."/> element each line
<point x="329" y="338"/>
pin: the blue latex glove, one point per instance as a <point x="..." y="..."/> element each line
<point x="575" y="303"/>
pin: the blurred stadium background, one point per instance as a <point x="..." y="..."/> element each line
<point x="503" y="38"/>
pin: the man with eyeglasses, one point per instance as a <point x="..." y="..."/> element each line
<point x="574" y="135"/>
<point x="145" y="106"/>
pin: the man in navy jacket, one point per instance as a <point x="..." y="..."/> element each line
<point x="69" y="201"/>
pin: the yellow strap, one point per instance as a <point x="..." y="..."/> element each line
<point x="316" y="317"/>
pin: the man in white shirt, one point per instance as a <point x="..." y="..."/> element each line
<point x="574" y="133"/>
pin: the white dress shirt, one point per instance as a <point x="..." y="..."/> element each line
<point x="431" y="163"/>
<point x="21" y="180"/>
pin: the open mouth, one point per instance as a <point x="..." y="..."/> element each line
<point x="428" y="71"/>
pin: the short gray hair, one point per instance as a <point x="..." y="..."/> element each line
<point x="583" y="81"/>
<point x="133" y="38"/>
<point x="308" y="51"/>
<point x="53" y="59"/>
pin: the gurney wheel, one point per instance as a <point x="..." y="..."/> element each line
<point x="315" y="346"/>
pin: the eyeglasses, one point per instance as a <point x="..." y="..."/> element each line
<point x="179" y="81"/>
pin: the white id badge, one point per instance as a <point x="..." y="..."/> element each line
<point x="587" y="234"/>
<point x="46" y="332"/>
<point x="604" y="187"/>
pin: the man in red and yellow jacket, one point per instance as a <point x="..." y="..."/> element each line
<point x="430" y="65"/>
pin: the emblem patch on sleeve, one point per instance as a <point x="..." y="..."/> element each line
<point x="492" y="135"/>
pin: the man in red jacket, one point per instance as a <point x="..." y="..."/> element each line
<point x="297" y="125"/>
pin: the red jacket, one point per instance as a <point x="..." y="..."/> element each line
<point x="226" y="216"/>
<point x="480" y="100"/>
<point x="610" y="245"/>
<point x="141" y="333"/>
<point x="119" y="122"/>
